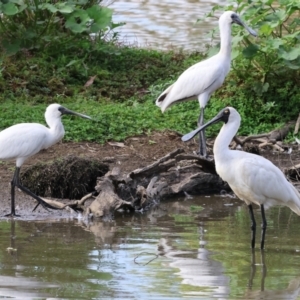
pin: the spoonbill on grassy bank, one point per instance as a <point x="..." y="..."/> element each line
<point x="252" y="178"/>
<point x="202" y="79"/>
<point x="23" y="140"/>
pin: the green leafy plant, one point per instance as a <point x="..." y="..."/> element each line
<point x="27" y="24"/>
<point x="276" y="52"/>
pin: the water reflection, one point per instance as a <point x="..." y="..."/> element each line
<point x="165" y="24"/>
<point x="291" y="292"/>
<point x="177" y="250"/>
<point x="211" y="279"/>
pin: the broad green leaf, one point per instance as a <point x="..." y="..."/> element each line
<point x="77" y="22"/>
<point x="296" y="34"/>
<point x="95" y="28"/>
<point x="19" y="2"/>
<point x="260" y="87"/>
<point x="236" y="40"/>
<point x="250" y="51"/>
<point x="271" y="45"/>
<point x="65" y="8"/>
<point x="11" y="48"/>
<point x="265" y="29"/>
<point x="281" y="14"/>
<point x="22" y="7"/>
<point x="9" y="9"/>
<point x="275" y="43"/>
<point x="101" y="15"/>
<point x="291" y="55"/>
<point x="49" y="7"/>
<point x="82" y="2"/>
<point x="234" y="54"/>
<point x="293" y="66"/>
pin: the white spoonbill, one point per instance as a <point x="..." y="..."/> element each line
<point x="23" y="140"/>
<point x="252" y="178"/>
<point x="202" y="79"/>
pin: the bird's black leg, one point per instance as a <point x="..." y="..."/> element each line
<point x="12" y="194"/>
<point x="16" y="182"/>
<point x="202" y="139"/>
<point x="253" y="225"/>
<point x="263" y="227"/>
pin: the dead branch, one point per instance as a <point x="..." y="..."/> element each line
<point x="207" y="166"/>
<point x="160" y="165"/>
<point x="266" y="139"/>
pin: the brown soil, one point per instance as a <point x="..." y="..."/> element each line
<point x="135" y="152"/>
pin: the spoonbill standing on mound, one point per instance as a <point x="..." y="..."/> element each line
<point x="23" y="140"/>
<point x="252" y="178"/>
<point x="202" y="79"/>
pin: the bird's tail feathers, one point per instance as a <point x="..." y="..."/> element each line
<point x="161" y="100"/>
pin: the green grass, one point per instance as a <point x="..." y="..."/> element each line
<point x="121" y="100"/>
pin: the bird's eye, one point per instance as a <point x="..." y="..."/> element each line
<point x="226" y="111"/>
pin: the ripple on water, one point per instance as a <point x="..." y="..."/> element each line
<point x="165" y="24"/>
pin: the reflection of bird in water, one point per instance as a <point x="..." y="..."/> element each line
<point x="202" y="79"/>
<point x="252" y="178"/>
<point x="199" y="271"/>
<point x="290" y="293"/>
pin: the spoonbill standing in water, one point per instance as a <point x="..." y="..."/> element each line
<point x="252" y="178"/>
<point x="202" y="79"/>
<point x="23" y="140"/>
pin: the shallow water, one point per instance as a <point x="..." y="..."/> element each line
<point x="164" y="24"/>
<point x="175" y="251"/>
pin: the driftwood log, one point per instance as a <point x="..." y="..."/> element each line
<point x="271" y="139"/>
<point x="176" y="173"/>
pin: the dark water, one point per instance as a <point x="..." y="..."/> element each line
<point x="175" y="251"/>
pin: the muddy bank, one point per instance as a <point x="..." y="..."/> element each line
<point x="135" y="153"/>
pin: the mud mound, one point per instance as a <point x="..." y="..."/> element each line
<point x="71" y="177"/>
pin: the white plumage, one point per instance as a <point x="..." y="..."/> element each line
<point x="252" y="178"/>
<point x="23" y="140"/>
<point x="202" y="79"/>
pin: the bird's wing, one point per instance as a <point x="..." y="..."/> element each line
<point x="22" y="140"/>
<point x="258" y="180"/>
<point x="195" y="80"/>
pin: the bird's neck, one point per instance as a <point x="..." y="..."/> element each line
<point x="56" y="129"/>
<point x="225" y="35"/>
<point x="224" y="138"/>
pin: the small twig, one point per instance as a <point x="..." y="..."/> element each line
<point x="156" y="256"/>
<point x="277" y="147"/>
<point x="252" y="137"/>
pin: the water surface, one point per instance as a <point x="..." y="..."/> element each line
<point x="175" y="251"/>
<point x="165" y="24"/>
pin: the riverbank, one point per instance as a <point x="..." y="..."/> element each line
<point x="135" y="152"/>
